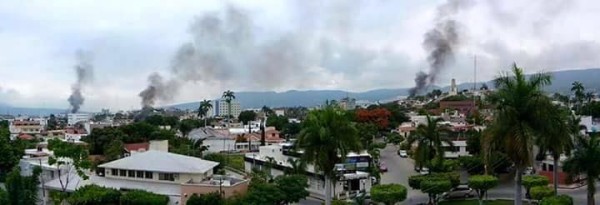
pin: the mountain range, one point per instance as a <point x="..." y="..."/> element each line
<point x="561" y="83"/>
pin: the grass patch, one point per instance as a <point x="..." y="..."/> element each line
<point x="476" y="202"/>
<point x="235" y="161"/>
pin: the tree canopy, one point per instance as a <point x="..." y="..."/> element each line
<point x="388" y="194"/>
<point x="247" y="116"/>
<point x="94" y="195"/>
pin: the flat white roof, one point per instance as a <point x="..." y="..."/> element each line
<point x="158" y="161"/>
<point x="75" y="182"/>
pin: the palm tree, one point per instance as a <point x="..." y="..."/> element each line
<point x="326" y="138"/>
<point x="520" y="104"/>
<point x="205" y="106"/>
<point x="589" y="96"/>
<point x="298" y="166"/>
<point x="430" y="140"/>
<point x="228" y="96"/>
<point x="556" y="140"/>
<point x="579" y="92"/>
<point x="586" y="160"/>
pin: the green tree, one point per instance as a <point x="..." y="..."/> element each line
<point x="68" y="157"/>
<point x="293" y="187"/>
<point x="557" y="200"/>
<point x="279" y="122"/>
<point x="557" y="139"/>
<point x="228" y="96"/>
<point x="520" y="105"/>
<point x="435" y="187"/>
<point x="260" y="193"/>
<point x="579" y="91"/>
<point x="533" y="181"/>
<point x="94" y="195"/>
<point x="10" y="153"/>
<point x="429" y="138"/>
<point x="388" y="194"/>
<point x="140" y="197"/>
<point x="247" y="116"/>
<point x="298" y="166"/>
<point x="203" y="109"/>
<point x="586" y="160"/>
<point x="52" y="123"/>
<point x="187" y="125"/>
<point x="290" y="130"/>
<point x="4" y="198"/>
<point x="541" y="192"/>
<point x="482" y="183"/>
<point x="114" y="150"/>
<point x="326" y="138"/>
<point x="213" y="198"/>
<point x="22" y="189"/>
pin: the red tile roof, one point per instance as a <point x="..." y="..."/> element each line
<point x="25" y="136"/>
<point x="136" y="146"/>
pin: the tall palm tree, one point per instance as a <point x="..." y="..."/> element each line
<point x="298" y="166"/>
<point x="203" y="109"/>
<point x="556" y="140"/>
<point x="228" y="96"/>
<point x="430" y="139"/>
<point x="326" y="138"/>
<point x="520" y="104"/>
<point x="579" y="92"/>
<point x="586" y="160"/>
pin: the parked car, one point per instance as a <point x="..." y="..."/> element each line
<point x="461" y="191"/>
<point x="382" y="167"/>
<point x="366" y="198"/>
<point x="424" y="171"/>
<point x="403" y="153"/>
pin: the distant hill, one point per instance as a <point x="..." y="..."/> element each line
<point x="15" y="111"/>
<point x="561" y="83"/>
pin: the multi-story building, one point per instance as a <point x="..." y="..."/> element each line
<point x="74" y="118"/>
<point x="353" y="174"/>
<point x="29" y="127"/>
<point x="221" y="108"/>
<point x="347" y="103"/>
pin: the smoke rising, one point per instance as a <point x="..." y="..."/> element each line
<point x="84" y="74"/>
<point x="224" y="50"/>
<point x="440" y="43"/>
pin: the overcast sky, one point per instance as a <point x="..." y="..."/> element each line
<point x="273" y="45"/>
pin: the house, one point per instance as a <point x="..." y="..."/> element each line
<point x="74" y="118"/>
<point x="134" y="148"/>
<point x="464" y="107"/>
<point x="354" y="173"/>
<point x="253" y="140"/>
<point x="173" y="175"/>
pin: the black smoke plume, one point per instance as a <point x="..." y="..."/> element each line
<point x="84" y="74"/>
<point x="158" y="89"/>
<point x="440" y="43"/>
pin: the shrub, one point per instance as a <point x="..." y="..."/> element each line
<point x="557" y="200"/>
<point x="388" y="193"/>
<point x="139" y="197"/>
<point x="94" y="195"/>
<point x="541" y="192"/>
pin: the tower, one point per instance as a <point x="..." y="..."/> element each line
<point x="453" y="88"/>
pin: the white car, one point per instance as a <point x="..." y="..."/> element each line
<point x="461" y="191"/>
<point x="424" y="171"/>
<point x="403" y="153"/>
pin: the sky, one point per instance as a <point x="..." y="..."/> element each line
<point x="202" y="48"/>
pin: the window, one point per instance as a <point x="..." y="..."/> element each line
<point x="140" y="174"/>
<point x="122" y="172"/>
<point x="131" y="173"/>
<point x="114" y="172"/>
<point x="166" y="177"/>
<point x="149" y="175"/>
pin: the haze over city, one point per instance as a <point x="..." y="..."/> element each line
<point x="273" y="46"/>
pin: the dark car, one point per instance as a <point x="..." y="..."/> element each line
<point x="461" y="191"/>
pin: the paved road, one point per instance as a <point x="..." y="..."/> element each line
<point x="399" y="169"/>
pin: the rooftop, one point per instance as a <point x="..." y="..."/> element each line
<point x="162" y="162"/>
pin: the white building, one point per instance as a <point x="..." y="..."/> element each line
<point x="173" y="175"/>
<point x="221" y="108"/>
<point x="354" y="175"/>
<point x="74" y="118"/>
